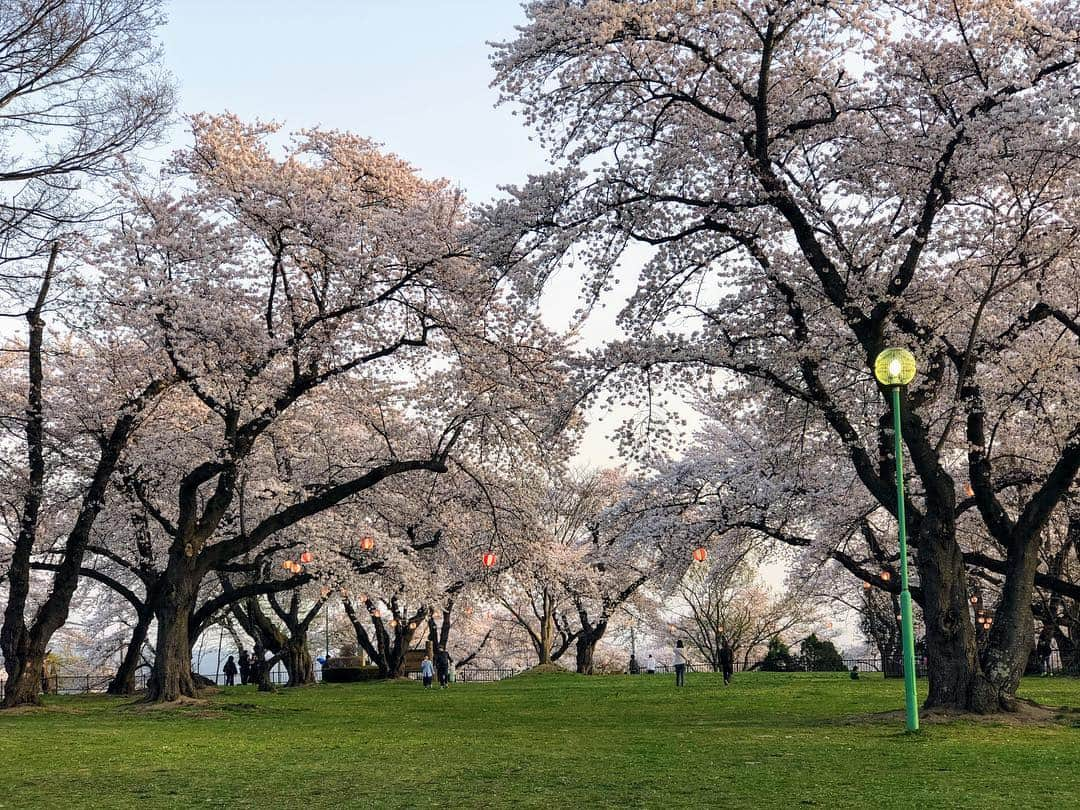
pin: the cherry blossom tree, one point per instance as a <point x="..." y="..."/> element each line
<point x="330" y="287"/>
<point x="817" y="181"/>
<point x="79" y="89"/>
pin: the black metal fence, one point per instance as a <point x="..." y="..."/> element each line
<point x="475" y="674"/>
<point x="862" y="665"/>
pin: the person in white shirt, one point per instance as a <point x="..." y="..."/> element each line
<point x="650" y="665"/>
<point x="679" y="660"/>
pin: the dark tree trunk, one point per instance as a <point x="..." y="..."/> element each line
<point x="23" y="687"/>
<point x="170" y="678"/>
<point x="298" y="662"/>
<point x="956" y="678"/>
<point x="24" y="659"/>
<point x="123" y="683"/>
<point x="1012" y="635"/>
<point x="587" y="640"/>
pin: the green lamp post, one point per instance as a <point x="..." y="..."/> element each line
<point x="895" y="368"/>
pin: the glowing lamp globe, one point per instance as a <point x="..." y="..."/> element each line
<point x="895" y="367"/>
<point x="367" y="543"/>
<point x="306" y="557"/>
<point x="412" y="625"/>
<point x="700" y="554"/>
<point x="974" y="600"/>
<point x="885" y="576"/>
<point x="489" y="559"/>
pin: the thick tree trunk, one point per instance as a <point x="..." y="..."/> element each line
<point x="170" y="678"/>
<point x="956" y="679"/>
<point x="23" y="687"/>
<point x="298" y="662"/>
<point x="1012" y="636"/>
<point x="586" y="647"/>
<point x="124" y="681"/>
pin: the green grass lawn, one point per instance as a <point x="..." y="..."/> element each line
<point x="769" y="740"/>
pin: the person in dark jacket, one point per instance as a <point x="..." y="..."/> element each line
<point x="442" y="667"/>
<point x="727" y="661"/>
<point x="230" y="671"/>
<point x="245" y="666"/>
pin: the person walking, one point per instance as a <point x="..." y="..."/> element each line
<point x="245" y="667"/>
<point x="678" y="658"/>
<point x="230" y="671"/>
<point x="650" y="665"/>
<point x="426" y="671"/>
<point x="1043" y="651"/>
<point x="727" y="661"/>
<point x="442" y="666"/>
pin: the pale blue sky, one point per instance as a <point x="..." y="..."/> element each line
<point x="413" y="75"/>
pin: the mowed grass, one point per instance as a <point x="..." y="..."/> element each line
<point x="769" y="740"/>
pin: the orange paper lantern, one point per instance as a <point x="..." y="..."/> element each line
<point x="306" y="557"/>
<point x="367" y="543"/>
<point x="700" y="554"/>
<point x="886" y="576"/>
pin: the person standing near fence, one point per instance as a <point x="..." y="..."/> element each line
<point x="230" y="671"/>
<point x="245" y="667"/>
<point x="727" y="661"/>
<point x="650" y="665"/>
<point x="442" y="666"/>
<point x="678" y="659"/>
<point x="50" y="674"/>
<point x="426" y="671"/>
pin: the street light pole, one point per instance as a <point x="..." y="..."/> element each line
<point x="896" y="368"/>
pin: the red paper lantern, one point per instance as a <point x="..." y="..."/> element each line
<point x="700" y="554"/>
<point x="306" y="557"/>
<point x="489" y="559"/>
<point x="367" y="543"/>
